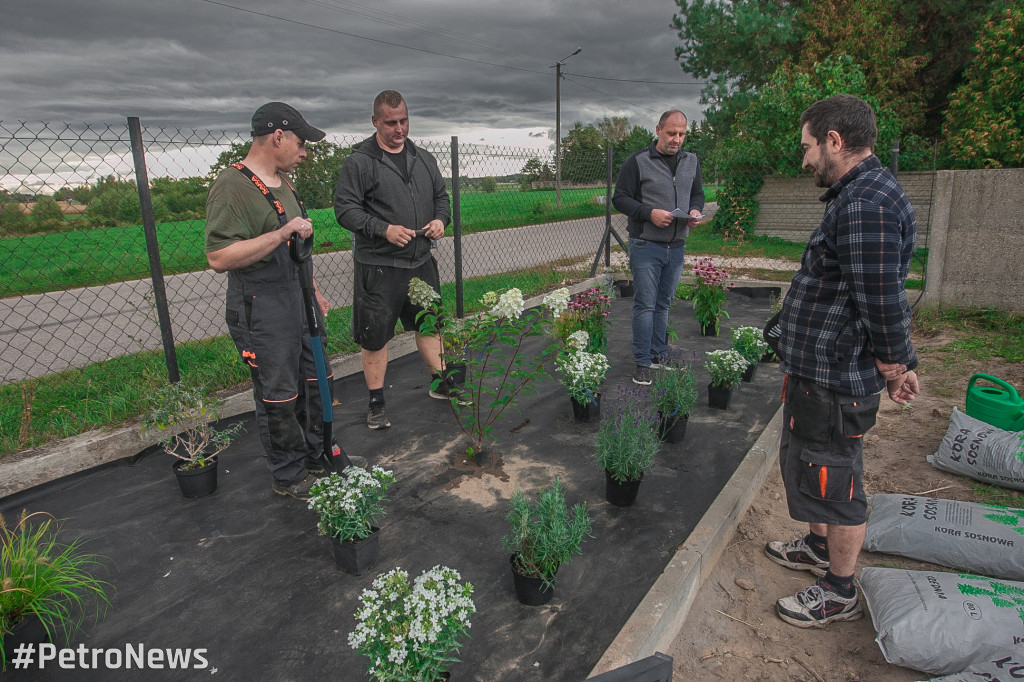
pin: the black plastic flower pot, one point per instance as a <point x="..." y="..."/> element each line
<point x="359" y="556"/>
<point x="719" y="398"/>
<point x="530" y="590"/>
<point x="625" y="287"/>
<point x="749" y="372"/>
<point x="621" y="494"/>
<point x="197" y="482"/>
<point x="588" y="411"/>
<point x="673" y="429"/>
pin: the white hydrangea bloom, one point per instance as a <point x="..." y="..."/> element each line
<point x="422" y="294"/>
<point x="510" y="304"/>
<point x="579" y="339"/>
<point x="557" y="301"/>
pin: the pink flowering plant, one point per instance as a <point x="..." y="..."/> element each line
<point x="588" y="311"/>
<point x="411" y="631"/>
<point x="708" y="293"/>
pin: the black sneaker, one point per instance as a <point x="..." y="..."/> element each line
<point x="300" y="490"/>
<point x="377" y="417"/>
<point x="642" y="375"/>
<point x="660" y="363"/>
<point x="818" y="605"/>
<point x="796" y="554"/>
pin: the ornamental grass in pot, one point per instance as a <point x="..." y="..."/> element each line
<point x="44" y="578"/>
<point x="410" y="632"/>
<point x="188" y="413"/>
<point x="674" y="392"/>
<point x="627" y="442"/>
<point x="544" y="535"/>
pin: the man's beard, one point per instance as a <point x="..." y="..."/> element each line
<point x="825" y="169"/>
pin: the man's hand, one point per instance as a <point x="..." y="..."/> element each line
<point x="435" y="229"/>
<point x="890" y="371"/>
<point x="321" y="300"/>
<point x="694" y="220"/>
<point x="661" y="218"/>
<point x="903" y="389"/>
<point x="399" y="236"/>
<point x="303" y="227"/>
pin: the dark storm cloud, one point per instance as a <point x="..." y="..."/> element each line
<point x="194" y="64"/>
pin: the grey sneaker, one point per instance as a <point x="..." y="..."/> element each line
<point x="300" y="490"/>
<point x="796" y="554"/>
<point x="642" y="375"/>
<point x="661" y="363"/>
<point x="377" y="417"/>
<point x="817" y="605"/>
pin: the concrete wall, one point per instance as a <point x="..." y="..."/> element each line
<point x="976" y="250"/>
<point x="790" y="210"/>
<point x="971" y="222"/>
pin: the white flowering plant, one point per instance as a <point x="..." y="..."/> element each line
<point x="498" y="370"/>
<point x="750" y="343"/>
<point x="348" y="504"/>
<point x="410" y="632"/>
<point x="581" y="372"/>
<point x="725" y="367"/>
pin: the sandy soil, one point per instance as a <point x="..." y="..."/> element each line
<point x="732" y="632"/>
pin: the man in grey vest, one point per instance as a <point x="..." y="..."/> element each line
<point x="660" y="191"/>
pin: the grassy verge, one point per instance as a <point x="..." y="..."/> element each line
<point x="65" y="260"/>
<point x="36" y="411"/>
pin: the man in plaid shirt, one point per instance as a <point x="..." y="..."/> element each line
<point x="844" y="336"/>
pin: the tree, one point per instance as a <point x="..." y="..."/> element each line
<point x="489" y="184"/>
<point x="12" y="220"/>
<point x="614" y="129"/>
<point x="47" y="214"/>
<point x="985" y="118"/>
<point x="638" y="138"/>
<point x="583" y="154"/>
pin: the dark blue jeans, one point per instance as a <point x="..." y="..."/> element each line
<point x="656" y="269"/>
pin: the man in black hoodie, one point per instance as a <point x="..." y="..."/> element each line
<point x="391" y="196"/>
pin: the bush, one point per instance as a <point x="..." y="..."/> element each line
<point x="489" y="185"/>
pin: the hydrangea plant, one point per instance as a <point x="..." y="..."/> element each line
<point x="410" y="632"/>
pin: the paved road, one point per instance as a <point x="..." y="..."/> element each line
<point x="45" y="333"/>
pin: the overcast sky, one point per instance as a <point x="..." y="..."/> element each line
<point x="206" y="65"/>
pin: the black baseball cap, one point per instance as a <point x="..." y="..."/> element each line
<point x="279" y="116"/>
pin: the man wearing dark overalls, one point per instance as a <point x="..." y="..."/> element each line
<point x="252" y="212"/>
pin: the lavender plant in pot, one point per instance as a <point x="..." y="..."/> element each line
<point x="675" y="392"/>
<point x="626" y="443"/>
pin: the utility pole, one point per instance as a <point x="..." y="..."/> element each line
<point x="558" y="126"/>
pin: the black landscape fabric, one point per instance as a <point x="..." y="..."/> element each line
<point x="244" y="575"/>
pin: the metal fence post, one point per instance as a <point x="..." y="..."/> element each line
<point x="153" y="249"/>
<point x="608" y="210"/>
<point x="895" y="158"/>
<point x="457" y="228"/>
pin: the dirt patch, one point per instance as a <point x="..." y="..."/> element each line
<point x="732" y="632"/>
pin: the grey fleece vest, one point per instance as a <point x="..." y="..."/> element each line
<point x="660" y="189"/>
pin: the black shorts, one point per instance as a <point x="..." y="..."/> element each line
<point x="381" y="298"/>
<point x="821" y="453"/>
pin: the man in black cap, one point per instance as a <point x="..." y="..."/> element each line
<point x="252" y="212"/>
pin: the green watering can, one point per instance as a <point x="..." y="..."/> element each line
<point x="998" y="405"/>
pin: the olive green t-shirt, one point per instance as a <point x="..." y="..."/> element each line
<point x="236" y="210"/>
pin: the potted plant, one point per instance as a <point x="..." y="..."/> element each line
<point x="626" y="444"/>
<point x="708" y="294"/>
<point x="545" y="535"/>
<point x="675" y="392"/>
<point x="750" y="343"/>
<point x="587" y="311"/>
<point x="499" y="370"/>
<point x="725" y="368"/>
<point x="44" y="583"/>
<point x="581" y="373"/>
<point x="187" y="413"/>
<point x="410" y="632"/>
<point x="348" y="506"/>
<point x="455" y="338"/>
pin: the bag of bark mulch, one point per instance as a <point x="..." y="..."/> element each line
<point x="1005" y="666"/>
<point x="980" y="451"/>
<point x="942" y="622"/>
<point x="977" y="538"/>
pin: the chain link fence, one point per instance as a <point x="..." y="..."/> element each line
<point x="82" y="287"/>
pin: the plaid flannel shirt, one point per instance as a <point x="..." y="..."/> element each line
<point x="846" y="305"/>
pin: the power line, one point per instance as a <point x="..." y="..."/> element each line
<point x="374" y="40"/>
<point x="606" y="94"/>
<point x="634" y="80"/>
